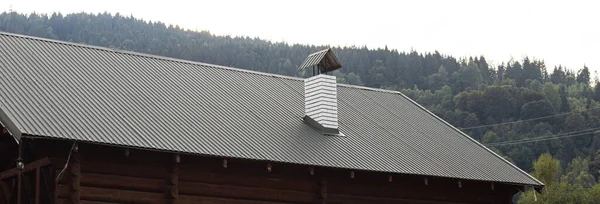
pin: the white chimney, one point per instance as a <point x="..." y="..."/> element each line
<point x="320" y="92"/>
<point x="320" y="100"/>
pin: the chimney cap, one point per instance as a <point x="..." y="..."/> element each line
<point x="325" y="60"/>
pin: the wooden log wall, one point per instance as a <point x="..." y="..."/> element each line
<point x="110" y="175"/>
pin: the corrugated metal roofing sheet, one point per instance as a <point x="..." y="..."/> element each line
<point x="313" y="59"/>
<point x="63" y="90"/>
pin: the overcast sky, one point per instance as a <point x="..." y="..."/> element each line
<point x="560" y="32"/>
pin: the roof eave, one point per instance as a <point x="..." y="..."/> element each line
<point x="10" y="126"/>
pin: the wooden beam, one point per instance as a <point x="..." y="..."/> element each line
<point x="111" y="195"/>
<point x="28" y="167"/>
<point x="75" y="178"/>
<point x="323" y="191"/>
<point x="359" y="199"/>
<point x="245" y="192"/>
<point x="3" y="197"/>
<point x="192" y="175"/>
<point x="122" y="182"/>
<point x="5" y="191"/>
<point x="19" y="187"/>
<point x="172" y="192"/>
<point x="13" y="192"/>
<point x="131" y="170"/>
<point x="185" y="199"/>
<point x="37" y="185"/>
<point x="63" y="201"/>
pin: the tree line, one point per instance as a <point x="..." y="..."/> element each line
<point x="519" y="108"/>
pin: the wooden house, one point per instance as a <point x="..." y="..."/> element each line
<point x="86" y="124"/>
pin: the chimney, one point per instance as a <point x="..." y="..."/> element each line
<point x="320" y="92"/>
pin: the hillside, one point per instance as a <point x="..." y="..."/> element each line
<point x="520" y="109"/>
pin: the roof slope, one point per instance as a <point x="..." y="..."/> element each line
<point x="62" y="90"/>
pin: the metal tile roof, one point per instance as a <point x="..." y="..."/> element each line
<point x="313" y="59"/>
<point x="63" y="90"/>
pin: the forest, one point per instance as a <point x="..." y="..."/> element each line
<point x="546" y="120"/>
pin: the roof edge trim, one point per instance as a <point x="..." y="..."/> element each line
<point x="7" y="122"/>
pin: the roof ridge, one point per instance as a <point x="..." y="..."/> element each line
<point x="178" y="60"/>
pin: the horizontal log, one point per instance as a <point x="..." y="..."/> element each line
<point x="65" y="201"/>
<point x="123" y="169"/>
<point x="122" y="182"/>
<point x="62" y="191"/>
<point x="386" y="190"/>
<point x="101" y="167"/>
<point x="416" y="192"/>
<point x="340" y="198"/>
<point x="245" y="180"/>
<point x="241" y="192"/>
<point x="186" y="199"/>
<point x="113" y="195"/>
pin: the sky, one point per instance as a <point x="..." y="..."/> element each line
<point x="559" y="32"/>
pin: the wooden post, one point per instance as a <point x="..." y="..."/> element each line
<point x="173" y="181"/>
<point x="37" y="185"/>
<point x="323" y="191"/>
<point x="2" y="193"/>
<point x="20" y="167"/>
<point x="19" y="186"/>
<point x="75" y="172"/>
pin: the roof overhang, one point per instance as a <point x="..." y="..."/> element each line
<point x="6" y="122"/>
<point x="519" y="186"/>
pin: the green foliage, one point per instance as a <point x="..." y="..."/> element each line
<point x="560" y="193"/>
<point x="497" y="100"/>
<point x="546" y="169"/>
<point x="583" y="76"/>
<point x="577" y="185"/>
<point x="564" y="102"/>
<point x="578" y="174"/>
<point x="490" y="137"/>
<point x="597" y="91"/>
<point x="550" y="92"/>
<point x="537" y="109"/>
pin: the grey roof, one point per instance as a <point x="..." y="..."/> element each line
<point x="56" y="89"/>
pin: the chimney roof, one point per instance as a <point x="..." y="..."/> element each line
<point x="325" y="60"/>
